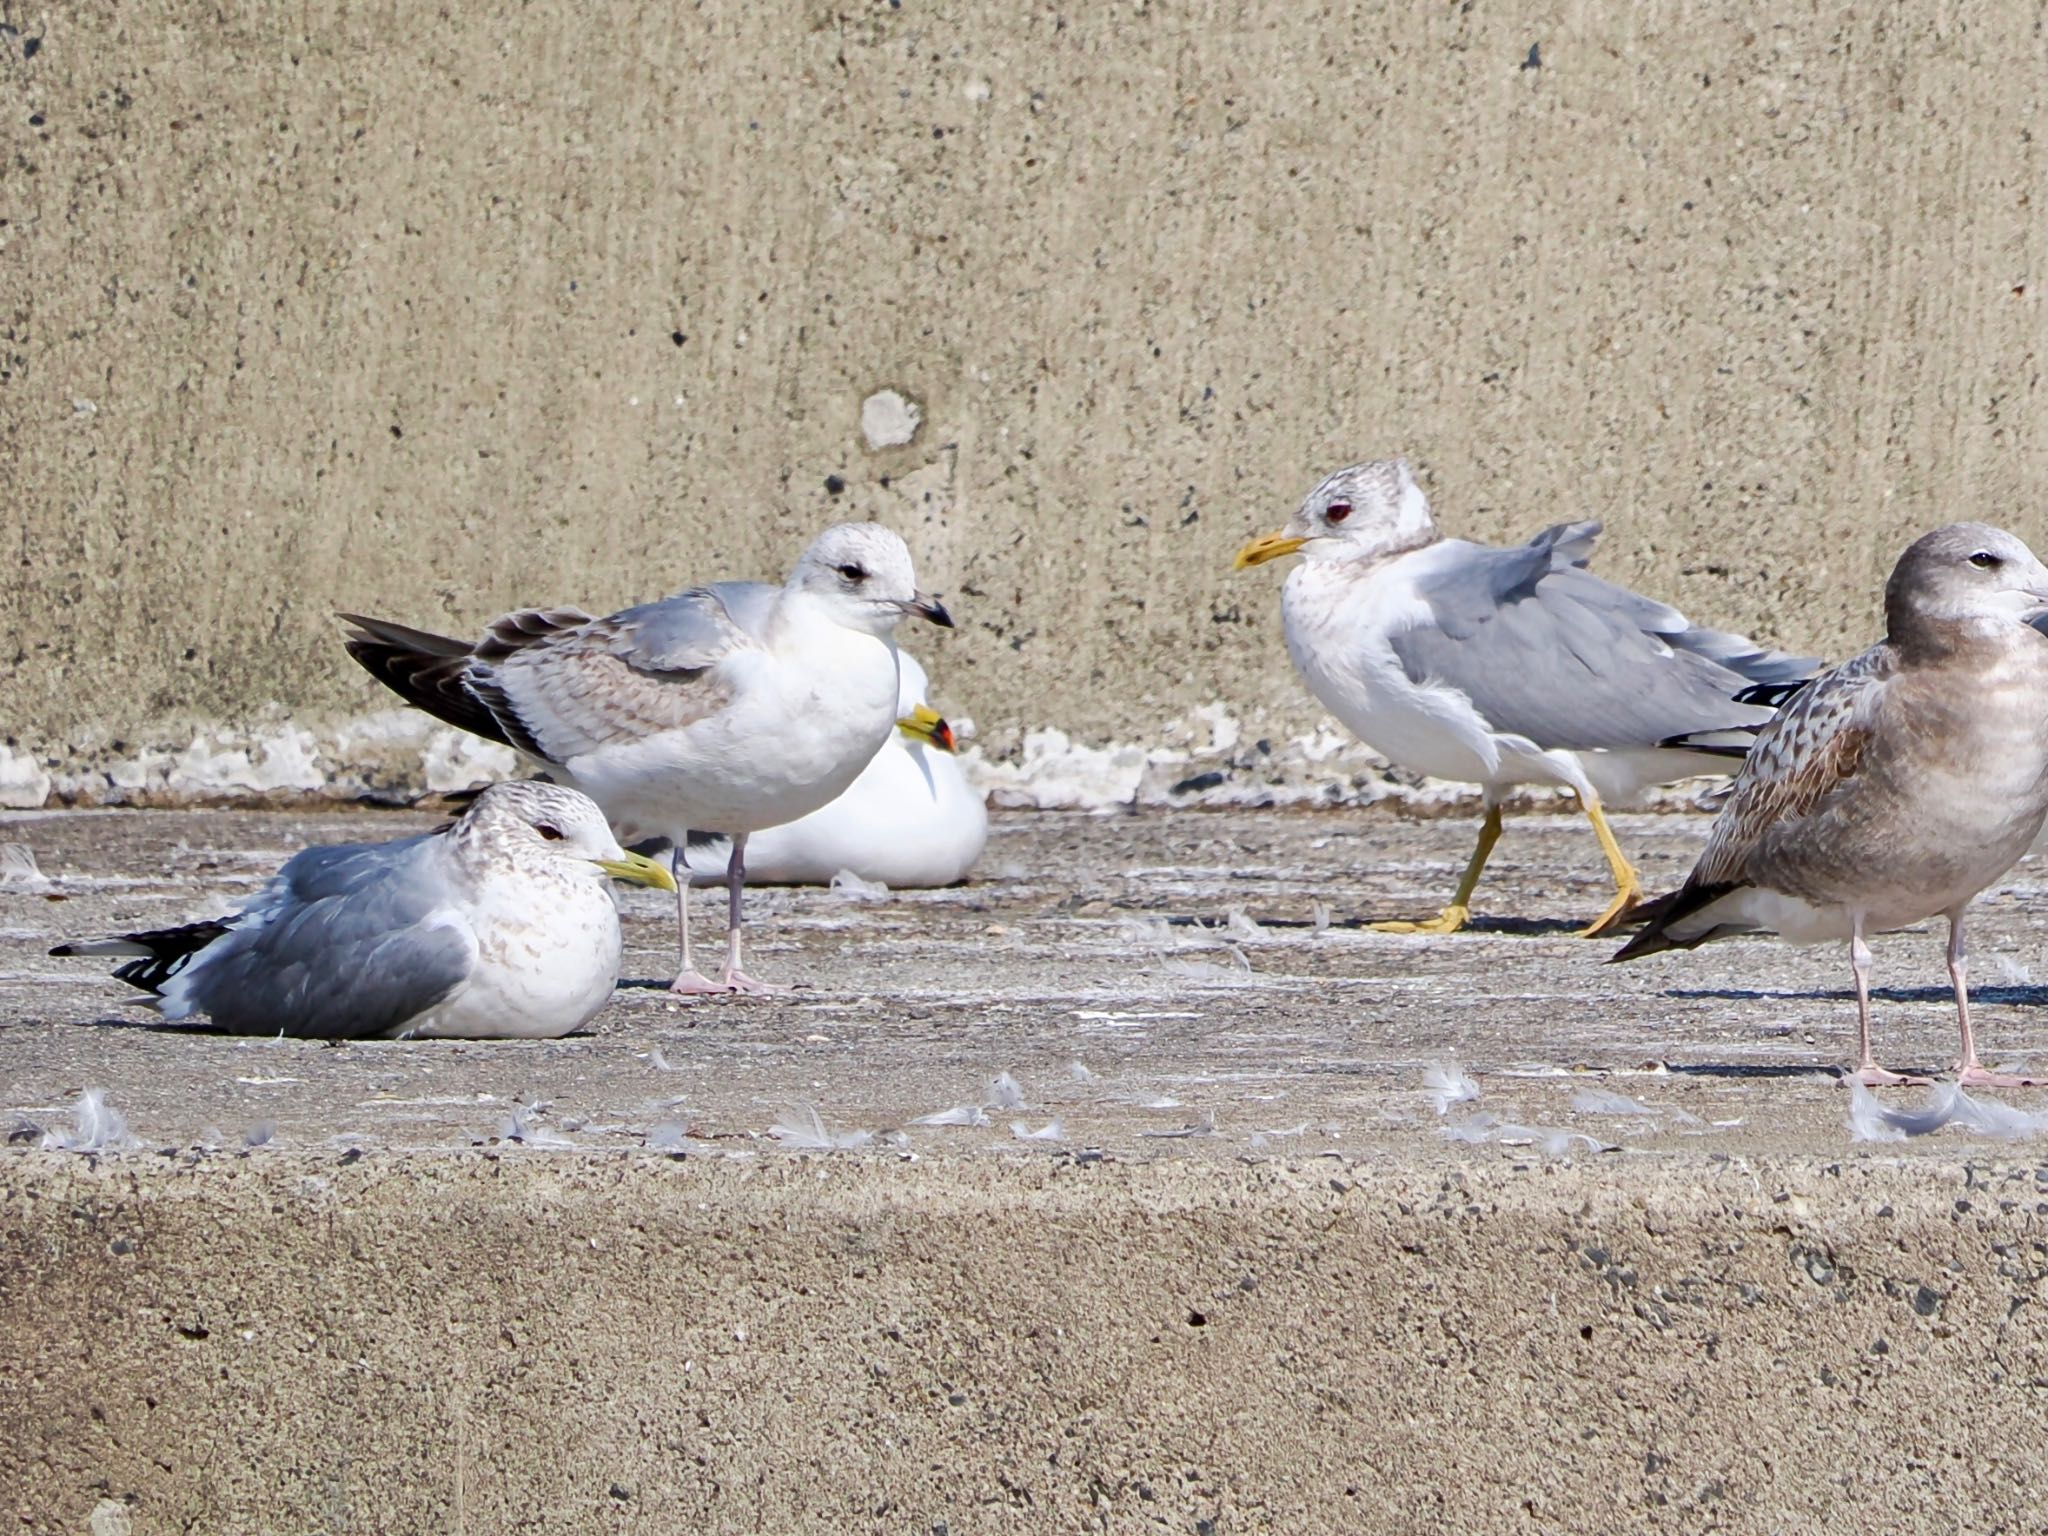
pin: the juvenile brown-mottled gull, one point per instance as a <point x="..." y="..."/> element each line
<point x="1500" y="667"/>
<point x="1897" y="786"/>
<point x="500" y="926"/>
<point x="726" y="708"/>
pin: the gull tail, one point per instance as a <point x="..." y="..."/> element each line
<point x="1661" y="917"/>
<point x="428" y="671"/>
<point x="160" y="953"/>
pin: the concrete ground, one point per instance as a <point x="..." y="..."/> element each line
<point x="1246" y="1282"/>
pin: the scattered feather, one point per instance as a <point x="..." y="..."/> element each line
<point x="1079" y="1073"/>
<point x="261" y="1134"/>
<point x="96" y="1127"/>
<point x="1319" y="916"/>
<point x="848" y="886"/>
<point x="963" y="1114"/>
<point x="522" y="1126"/>
<point x="2013" y="973"/>
<point x="1052" y="1130"/>
<point x="1601" y="1101"/>
<point x="803" y="1128"/>
<point x="1206" y="1126"/>
<point x="1448" y="1085"/>
<point x="19" y="870"/>
<point x="668" y="1136"/>
<point x="1154" y="1101"/>
<point x="1004" y="1092"/>
<point x="1244" y="925"/>
<point x="1871" y="1119"/>
<point x="655" y="1059"/>
<point x="1263" y="1139"/>
<point x="1548" y="1139"/>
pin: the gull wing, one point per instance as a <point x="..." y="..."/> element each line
<point x="1546" y="650"/>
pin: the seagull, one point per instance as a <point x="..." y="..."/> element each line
<point x="726" y="708"/>
<point x="1500" y="667"/>
<point x="1894" y="787"/>
<point x="497" y="926"/>
<point x="910" y="820"/>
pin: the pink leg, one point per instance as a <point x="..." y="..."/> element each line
<point x="1970" y="1072"/>
<point x="689" y="981"/>
<point x="1867" y="1072"/>
<point x="736" y="979"/>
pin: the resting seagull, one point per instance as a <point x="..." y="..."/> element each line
<point x="1896" y="786"/>
<point x="1500" y="667"/>
<point x="726" y="708"/>
<point x="910" y="820"/>
<point x="500" y="926"/>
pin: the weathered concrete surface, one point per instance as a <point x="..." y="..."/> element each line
<point x="1321" y="1315"/>
<point x="379" y="307"/>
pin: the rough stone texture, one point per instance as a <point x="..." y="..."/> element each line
<point x="431" y="311"/>
<point x="1321" y="1314"/>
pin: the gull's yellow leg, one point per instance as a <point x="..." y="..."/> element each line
<point x="1455" y="916"/>
<point x="1628" y="887"/>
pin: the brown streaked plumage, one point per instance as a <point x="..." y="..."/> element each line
<point x="1896" y="787"/>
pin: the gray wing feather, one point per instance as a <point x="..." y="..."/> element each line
<point x="347" y="943"/>
<point x="638" y="672"/>
<point x="1546" y="650"/>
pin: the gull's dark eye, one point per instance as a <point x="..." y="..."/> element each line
<point x="1337" y="511"/>
<point x="552" y="834"/>
<point x="854" y="573"/>
<point x="1984" y="560"/>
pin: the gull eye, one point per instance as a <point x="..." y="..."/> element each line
<point x="550" y="833"/>
<point x="1984" y="560"/>
<point x="1337" y="511"/>
<point x="854" y="573"/>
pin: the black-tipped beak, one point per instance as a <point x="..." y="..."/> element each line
<point x="925" y="606"/>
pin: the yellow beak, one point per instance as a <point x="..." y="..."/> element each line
<point x="1268" y="546"/>
<point x="638" y="869"/>
<point x="926" y="724"/>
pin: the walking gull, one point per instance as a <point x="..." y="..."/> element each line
<point x="497" y="926"/>
<point x="910" y="819"/>
<point x="1500" y="667"/>
<point x="727" y="708"/>
<point x="1895" y="787"/>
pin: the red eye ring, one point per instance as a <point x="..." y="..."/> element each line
<point x="1337" y="511"/>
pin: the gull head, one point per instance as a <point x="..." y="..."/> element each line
<point x="862" y="572"/>
<point x="1365" y="512"/>
<point x="1967" y="575"/>
<point x="555" y="822"/>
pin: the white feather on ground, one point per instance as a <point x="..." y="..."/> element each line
<point x="1550" y="1140"/>
<point x="803" y="1129"/>
<point x="1005" y="1092"/>
<point x="1447" y="1085"/>
<point x="96" y="1127"/>
<point x="848" y="886"/>
<point x="523" y="1126"/>
<point x="19" y="870"/>
<point x="668" y="1136"/>
<point x="262" y="1134"/>
<point x="1053" y="1130"/>
<point x="1602" y="1101"/>
<point x="1871" y="1119"/>
<point x="1079" y="1073"/>
<point x="962" y="1114"/>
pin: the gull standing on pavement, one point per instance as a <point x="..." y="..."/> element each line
<point x="1895" y="787"/>
<point x="1500" y="667"/>
<point x="497" y="927"/>
<point x="726" y="708"/>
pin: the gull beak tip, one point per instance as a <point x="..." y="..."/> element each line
<point x="638" y="869"/>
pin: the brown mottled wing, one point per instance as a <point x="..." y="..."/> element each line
<point x="1813" y="746"/>
<point x="564" y="690"/>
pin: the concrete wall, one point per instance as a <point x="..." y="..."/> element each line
<point x="432" y="311"/>
<point x="580" y="1345"/>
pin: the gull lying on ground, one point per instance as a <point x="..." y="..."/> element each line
<point x="1500" y="667"/>
<point x="500" y="925"/>
<point x="1895" y="787"/>
<point x="909" y="820"/>
<point x="727" y="708"/>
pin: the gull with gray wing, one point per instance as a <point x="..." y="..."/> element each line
<point x="499" y="926"/>
<point x="1500" y="667"/>
<point x="724" y="709"/>
<point x="1895" y="787"/>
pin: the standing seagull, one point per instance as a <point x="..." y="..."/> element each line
<point x="726" y="708"/>
<point x="1896" y="786"/>
<point x="497" y="927"/>
<point x="1500" y="667"/>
